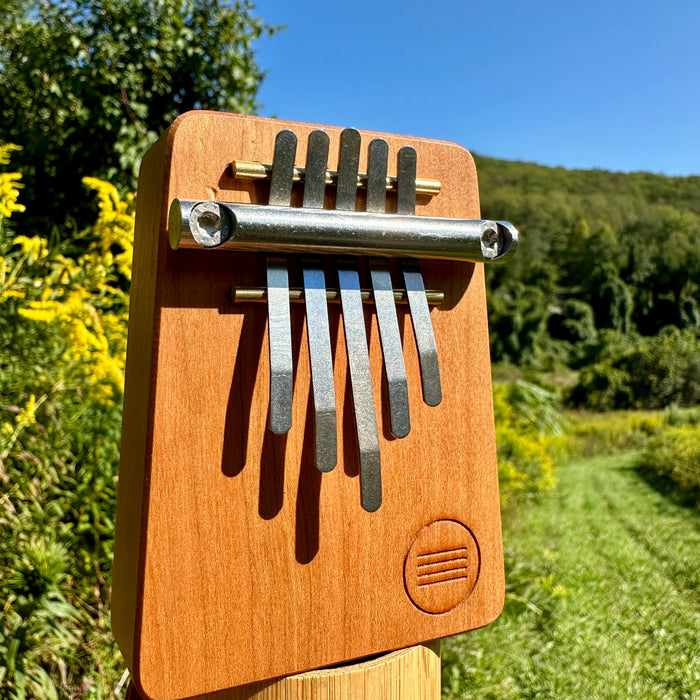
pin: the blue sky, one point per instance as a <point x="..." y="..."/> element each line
<point x="613" y="85"/>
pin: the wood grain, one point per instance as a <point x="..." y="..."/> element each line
<point x="408" y="674"/>
<point x="236" y="560"/>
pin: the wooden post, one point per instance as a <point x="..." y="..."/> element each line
<point x="407" y="674"/>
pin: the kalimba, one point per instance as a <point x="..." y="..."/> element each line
<point x="308" y="466"/>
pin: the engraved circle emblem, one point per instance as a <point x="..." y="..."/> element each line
<point x="441" y="566"/>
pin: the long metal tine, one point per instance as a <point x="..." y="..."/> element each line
<point x="279" y="320"/>
<point x="361" y="382"/>
<point x="387" y="319"/>
<point x="317" y="327"/>
<point x="415" y="289"/>
<point x="348" y="167"/>
<point x="355" y="335"/>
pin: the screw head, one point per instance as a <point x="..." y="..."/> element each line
<point x="491" y="241"/>
<point x="209" y="223"/>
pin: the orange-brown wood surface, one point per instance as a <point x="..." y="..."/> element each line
<point x="408" y="674"/>
<point x="236" y="559"/>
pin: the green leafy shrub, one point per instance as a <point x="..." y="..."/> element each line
<point x="62" y="344"/>
<point x="671" y="461"/>
<point x="87" y="86"/>
<point x="653" y="373"/>
<point x="592" y="434"/>
<point x="676" y="416"/>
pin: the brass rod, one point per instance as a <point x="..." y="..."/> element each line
<point x="252" y="170"/>
<point x="296" y="294"/>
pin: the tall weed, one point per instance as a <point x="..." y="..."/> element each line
<point x="530" y="439"/>
<point x="529" y="433"/>
<point x="671" y="461"/>
<point x="593" y="434"/>
<point x="62" y="343"/>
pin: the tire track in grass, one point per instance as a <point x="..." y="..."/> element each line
<point x="637" y="624"/>
<point x="629" y="624"/>
<point x="659" y="536"/>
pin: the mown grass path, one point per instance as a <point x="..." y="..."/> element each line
<point x="615" y="612"/>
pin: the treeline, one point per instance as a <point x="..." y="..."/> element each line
<point x="606" y="280"/>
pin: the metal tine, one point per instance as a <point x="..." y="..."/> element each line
<point x="385" y="304"/>
<point x="317" y="328"/>
<point x="348" y="167"/>
<point x="355" y="335"/>
<point x="415" y="289"/>
<point x="279" y="319"/>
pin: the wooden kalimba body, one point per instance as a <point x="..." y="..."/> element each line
<point x="302" y="484"/>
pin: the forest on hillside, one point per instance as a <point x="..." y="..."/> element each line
<point x="606" y="280"/>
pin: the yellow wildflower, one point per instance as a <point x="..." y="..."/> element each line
<point x="45" y="311"/>
<point x="9" y="193"/>
<point x="12" y="293"/>
<point x="83" y="299"/>
<point x="5" y="150"/>
<point x="9" y="184"/>
<point x="35" y="247"/>
<point x="27" y="415"/>
<point x="115" y="224"/>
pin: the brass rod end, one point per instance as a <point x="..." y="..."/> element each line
<point x="296" y="294"/>
<point x="253" y="170"/>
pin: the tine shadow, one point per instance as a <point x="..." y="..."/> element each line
<point x="308" y="494"/>
<point x="274" y="448"/>
<point x="384" y="415"/>
<point x="351" y="449"/>
<point x="237" y="422"/>
<point x="271" y="493"/>
<point x="385" y="412"/>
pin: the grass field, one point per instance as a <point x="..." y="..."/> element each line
<point x="603" y="602"/>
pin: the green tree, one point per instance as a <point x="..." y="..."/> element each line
<point x="642" y="373"/>
<point x="87" y="85"/>
<point x="599" y="251"/>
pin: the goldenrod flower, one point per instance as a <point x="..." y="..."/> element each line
<point x="27" y="415"/>
<point x="82" y="299"/>
<point x="35" y="247"/>
<point x="9" y="184"/>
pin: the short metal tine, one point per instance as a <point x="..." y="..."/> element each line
<point x="317" y="328"/>
<point x="280" y="341"/>
<point x="283" y="168"/>
<point x="279" y="320"/>
<point x="423" y="331"/>
<point x="361" y="382"/>
<point x="355" y="335"/>
<point x="415" y="289"/>
<point x="406" y="181"/>
<point x="382" y="286"/>
<point x="392" y="349"/>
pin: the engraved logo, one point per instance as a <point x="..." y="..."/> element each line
<point x="442" y="566"/>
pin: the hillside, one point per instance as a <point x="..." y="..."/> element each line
<point x="606" y="260"/>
